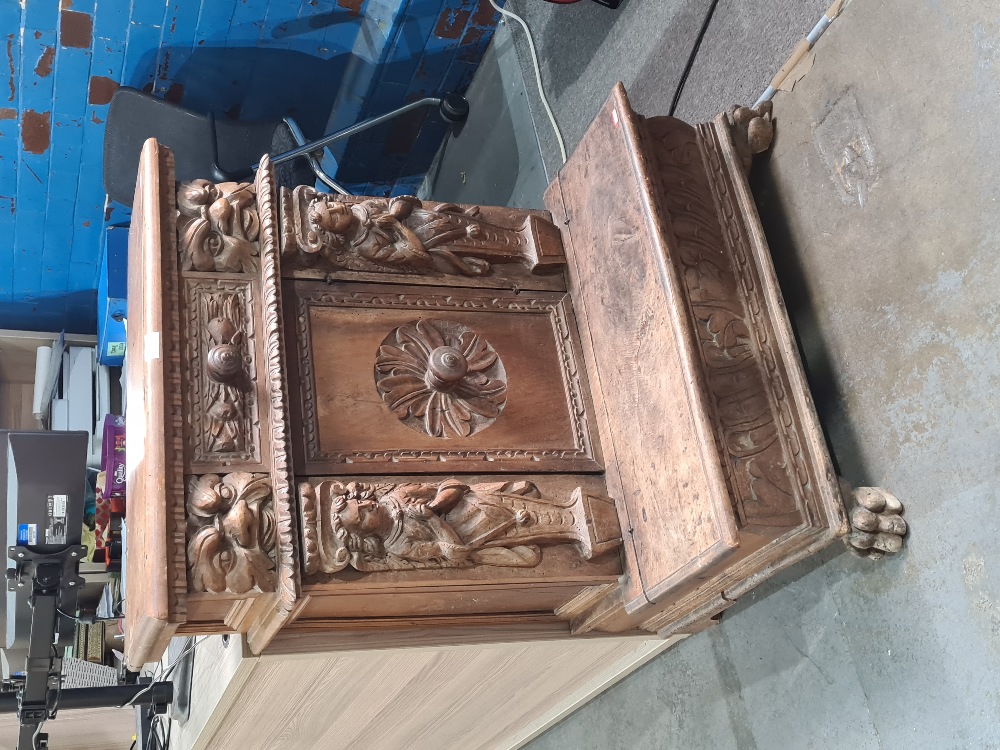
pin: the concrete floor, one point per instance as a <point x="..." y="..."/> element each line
<point x="887" y="261"/>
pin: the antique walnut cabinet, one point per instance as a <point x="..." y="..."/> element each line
<point x="352" y="419"/>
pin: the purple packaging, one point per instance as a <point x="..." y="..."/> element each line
<point x="113" y="456"/>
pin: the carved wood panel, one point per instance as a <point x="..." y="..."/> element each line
<point x="277" y="437"/>
<point x="155" y="394"/>
<point x="345" y="409"/>
<point x="441" y="378"/>
<point x="404" y="235"/>
<point x="375" y="527"/>
<point x="218" y="227"/>
<point x="720" y="464"/>
<point x="241" y="524"/>
<point x="754" y="425"/>
<point x="221" y="365"/>
<point x="231" y="534"/>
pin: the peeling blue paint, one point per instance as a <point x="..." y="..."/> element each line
<point x="327" y="62"/>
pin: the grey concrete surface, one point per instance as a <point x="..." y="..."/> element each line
<point x="586" y="48"/>
<point x="896" y="303"/>
<point x="879" y="201"/>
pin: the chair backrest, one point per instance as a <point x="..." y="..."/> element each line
<point x="196" y="140"/>
<point x="133" y="118"/>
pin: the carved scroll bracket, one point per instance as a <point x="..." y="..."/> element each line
<point x="449" y="524"/>
<point x="231" y="534"/>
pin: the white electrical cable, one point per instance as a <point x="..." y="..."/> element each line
<point x="191" y="646"/>
<point x="538" y="74"/>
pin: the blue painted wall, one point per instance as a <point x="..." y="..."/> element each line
<point x="329" y="63"/>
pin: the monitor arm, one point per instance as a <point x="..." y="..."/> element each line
<point x="54" y="579"/>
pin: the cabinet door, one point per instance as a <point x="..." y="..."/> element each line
<point x="419" y="379"/>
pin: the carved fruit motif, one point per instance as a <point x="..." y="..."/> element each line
<point x="441" y="378"/>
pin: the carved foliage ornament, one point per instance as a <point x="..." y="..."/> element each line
<point x="441" y="378"/>
<point x="765" y="467"/>
<point x="218" y="227"/>
<point x="448" y="524"/>
<point x="231" y="533"/>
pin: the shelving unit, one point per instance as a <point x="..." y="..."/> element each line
<point x="17" y="374"/>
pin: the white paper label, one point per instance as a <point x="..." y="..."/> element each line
<point x="152" y="346"/>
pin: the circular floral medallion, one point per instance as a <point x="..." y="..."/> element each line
<point x="441" y="378"/>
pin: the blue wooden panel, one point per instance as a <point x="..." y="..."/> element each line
<point x="115" y="214"/>
<point x="36" y="87"/>
<point x="11" y="17"/>
<point x="213" y="23"/>
<point x="29" y="230"/>
<point x="111" y="20"/>
<point x="179" y="24"/>
<point x="149" y="12"/>
<point x="108" y="57"/>
<point x="10" y="135"/>
<point x="32" y="183"/>
<point x="7" y="209"/>
<point x="72" y="79"/>
<point x="41" y="17"/>
<point x="413" y="33"/>
<point x="247" y="21"/>
<point x="83" y="6"/>
<point x="10" y="22"/>
<point x="141" y="53"/>
<point x="64" y="163"/>
<point x="57" y="247"/>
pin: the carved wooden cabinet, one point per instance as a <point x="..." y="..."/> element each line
<point x="366" y="417"/>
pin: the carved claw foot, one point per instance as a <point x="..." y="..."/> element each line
<point x="752" y="131"/>
<point x="877" y="525"/>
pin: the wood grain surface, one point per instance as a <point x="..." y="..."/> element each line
<point x="651" y="404"/>
<point x="469" y="697"/>
<point x="78" y="729"/>
<point x="156" y="580"/>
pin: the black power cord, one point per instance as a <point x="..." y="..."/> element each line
<point x="694" y="53"/>
<point x="88" y="619"/>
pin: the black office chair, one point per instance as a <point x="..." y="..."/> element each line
<point x="223" y="150"/>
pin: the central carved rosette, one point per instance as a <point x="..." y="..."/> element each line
<point x="446" y="368"/>
<point x="441" y="378"/>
